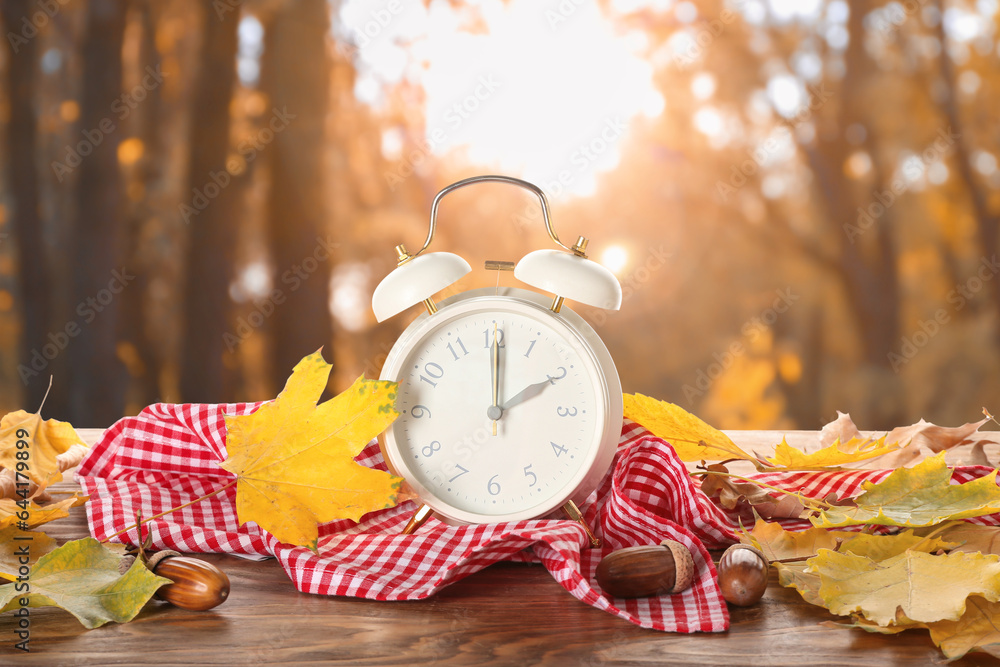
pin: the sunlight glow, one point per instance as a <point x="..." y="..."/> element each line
<point x="614" y="258"/>
<point x="350" y="295"/>
<point x="544" y="92"/>
<point x="249" y="50"/>
<point x="253" y="281"/>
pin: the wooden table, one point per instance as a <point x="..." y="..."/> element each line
<point x="507" y="614"/>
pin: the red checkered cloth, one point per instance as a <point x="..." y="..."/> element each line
<point x="168" y="456"/>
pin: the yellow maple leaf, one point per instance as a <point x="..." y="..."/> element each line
<point x="918" y="496"/>
<point x="691" y="438"/>
<point x="294" y="459"/>
<point x="925" y="587"/>
<point x="839" y="453"/>
<point x="43" y="442"/>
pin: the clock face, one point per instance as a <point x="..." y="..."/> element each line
<point x="550" y="416"/>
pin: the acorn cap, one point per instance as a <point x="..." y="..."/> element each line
<point x="683" y="565"/>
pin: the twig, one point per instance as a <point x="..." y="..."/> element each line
<point x="139" y="523"/>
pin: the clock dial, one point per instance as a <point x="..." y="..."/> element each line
<point x="550" y="410"/>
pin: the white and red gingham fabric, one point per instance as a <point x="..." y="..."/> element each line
<point x="167" y="456"/>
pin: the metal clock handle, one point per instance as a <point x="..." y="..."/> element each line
<point x="578" y="249"/>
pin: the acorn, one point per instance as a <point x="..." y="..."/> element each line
<point x="742" y="575"/>
<point x="636" y="572"/>
<point x="196" y="586"/>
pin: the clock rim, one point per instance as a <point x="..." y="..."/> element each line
<point x="610" y="393"/>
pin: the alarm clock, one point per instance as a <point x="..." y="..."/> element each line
<point x="510" y="404"/>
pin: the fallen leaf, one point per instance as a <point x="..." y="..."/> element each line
<point x="45" y="441"/>
<point x="918" y="496"/>
<point x="691" y="438"/>
<point x="925" y="587"/>
<point x="794" y="575"/>
<point x="837" y="454"/>
<point x="294" y="459"/>
<point x="841" y="429"/>
<point x="11" y="512"/>
<point x="883" y="547"/>
<point x="973" y="538"/>
<point x="779" y="544"/>
<point x="899" y="624"/>
<point x="923" y="439"/>
<point x="977" y="630"/>
<point x="8" y="477"/>
<point x="936" y="438"/>
<point x="82" y="578"/>
<point x="734" y="494"/>
<point x="16" y="544"/>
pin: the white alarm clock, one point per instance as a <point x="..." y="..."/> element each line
<point x="510" y="404"/>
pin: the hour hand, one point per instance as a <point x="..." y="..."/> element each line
<point x="530" y="391"/>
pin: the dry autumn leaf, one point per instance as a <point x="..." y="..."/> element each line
<point x="294" y="459"/>
<point x="964" y="444"/>
<point x="8" y="477"/>
<point x="925" y="587"/>
<point x="38" y="544"/>
<point x="918" y="496"/>
<point x="977" y="630"/>
<point x="82" y="578"/>
<point x="735" y="494"/>
<point x="836" y="454"/>
<point x="794" y="575"/>
<point x="691" y="438"/>
<point x="884" y="547"/>
<point x="46" y="440"/>
<point x="936" y="438"/>
<point x="779" y="544"/>
<point x="841" y="429"/>
<point x="973" y="538"/>
<point x="11" y="513"/>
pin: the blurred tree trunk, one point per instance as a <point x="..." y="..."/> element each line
<point x="134" y="330"/>
<point x="296" y="76"/>
<point x="210" y="213"/>
<point x="96" y="377"/>
<point x="863" y="256"/>
<point x="987" y="222"/>
<point x="22" y="72"/>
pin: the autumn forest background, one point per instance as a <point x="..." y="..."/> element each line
<point x="801" y="198"/>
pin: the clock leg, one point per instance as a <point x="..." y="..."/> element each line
<point x="417" y="519"/>
<point x="573" y="512"/>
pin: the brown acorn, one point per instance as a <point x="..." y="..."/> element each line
<point x="636" y="572"/>
<point x="742" y="575"/>
<point x="197" y="585"/>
